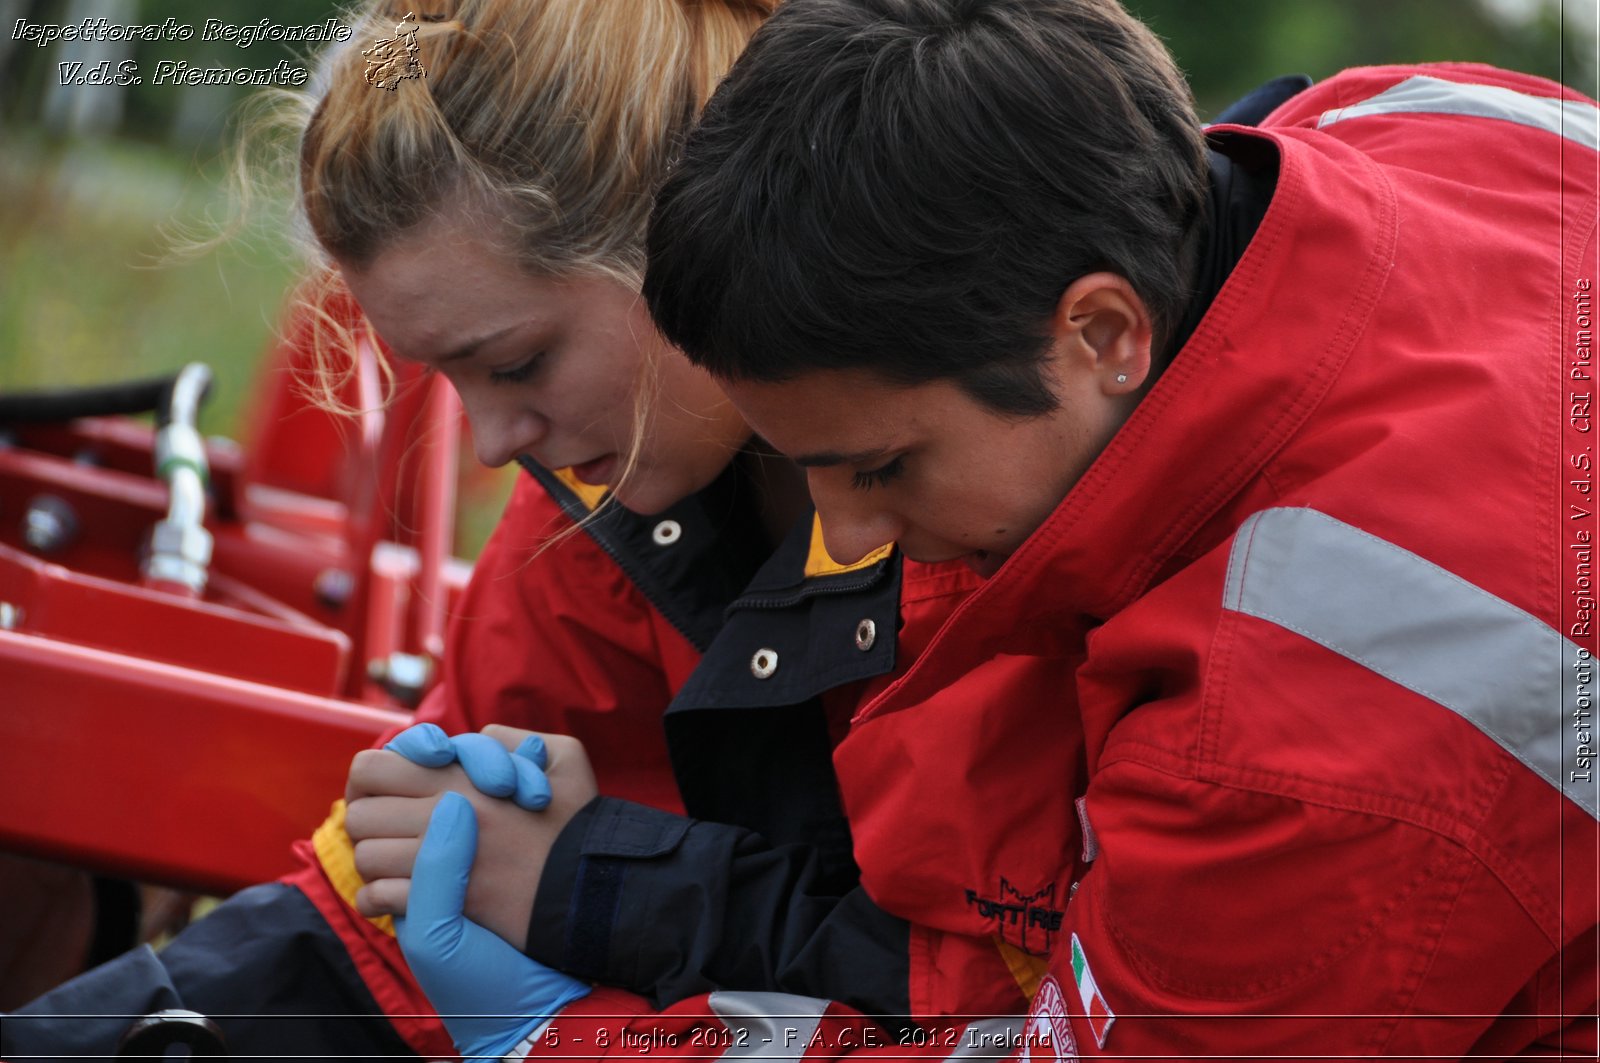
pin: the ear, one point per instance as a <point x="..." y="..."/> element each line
<point x="1105" y="328"/>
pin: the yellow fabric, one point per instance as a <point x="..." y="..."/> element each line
<point x="588" y="494"/>
<point x="818" y="563"/>
<point x="334" y="849"/>
<point x="1029" y="970"/>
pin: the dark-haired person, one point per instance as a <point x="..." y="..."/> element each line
<point x="1287" y="428"/>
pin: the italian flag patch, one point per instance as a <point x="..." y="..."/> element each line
<point x="1094" y="1005"/>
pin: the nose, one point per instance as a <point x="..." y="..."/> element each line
<point x="853" y="523"/>
<point x="501" y="430"/>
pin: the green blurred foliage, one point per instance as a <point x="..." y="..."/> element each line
<point x="1227" y="48"/>
<point x="94" y="291"/>
<point x="95" y="222"/>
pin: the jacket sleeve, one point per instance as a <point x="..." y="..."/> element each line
<point x="671" y="907"/>
<point x="268" y="969"/>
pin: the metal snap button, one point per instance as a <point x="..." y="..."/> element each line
<point x="764" y="663"/>
<point x="866" y="635"/>
<point x="667" y="532"/>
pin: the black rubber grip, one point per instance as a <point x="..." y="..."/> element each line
<point x="41" y="407"/>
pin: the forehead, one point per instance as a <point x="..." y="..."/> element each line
<point x="413" y="290"/>
<point x="831" y="416"/>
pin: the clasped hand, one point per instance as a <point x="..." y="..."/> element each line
<point x="444" y="888"/>
<point x="524" y="788"/>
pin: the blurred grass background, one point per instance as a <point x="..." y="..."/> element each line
<point x="94" y="180"/>
<point x="93" y="292"/>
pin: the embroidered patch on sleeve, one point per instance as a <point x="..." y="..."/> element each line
<point x="1027" y="921"/>
<point x="1048" y="1035"/>
<point x="1095" y="1009"/>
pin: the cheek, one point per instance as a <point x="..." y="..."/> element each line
<point x="692" y="392"/>
<point x="696" y="424"/>
<point x="587" y="403"/>
<point x="1017" y="514"/>
<point x="683" y="456"/>
<point x="981" y="511"/>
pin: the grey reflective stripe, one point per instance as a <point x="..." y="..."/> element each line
<point x="1573" y="119"/>
<point x="1499" y="667"/>
<point x="767" y="1025"/>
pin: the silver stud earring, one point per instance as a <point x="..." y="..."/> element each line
<point x="1122" y="378"/>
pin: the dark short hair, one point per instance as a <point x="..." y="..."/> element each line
<point x="908" y="186"/>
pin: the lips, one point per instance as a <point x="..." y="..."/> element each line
<point x="596" y="473"/>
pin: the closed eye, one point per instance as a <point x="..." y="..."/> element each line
<point x="518" y="373"/>
<point x="867" y="479"/>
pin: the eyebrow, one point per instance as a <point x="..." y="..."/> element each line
<point x="468" y="349"/>
<point x="824" y="458"/>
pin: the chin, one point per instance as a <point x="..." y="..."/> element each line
<point x="655" y="489"/>
<point x="985" y="563"/>
<point x="647" y="498"/>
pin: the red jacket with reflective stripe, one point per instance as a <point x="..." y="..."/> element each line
<point x="1322" y="616"/>
<point x="1337" y="717"/>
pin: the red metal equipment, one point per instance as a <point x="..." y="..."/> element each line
<point x="188" y="739"/>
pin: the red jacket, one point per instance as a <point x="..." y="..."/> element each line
<point x="566" y="640"/>
<point x="560" y="641"/>
<point x="1323" y="615"/>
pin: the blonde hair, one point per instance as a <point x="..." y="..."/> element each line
<point x="558" y="119"/>
<point x="559" y="116"/>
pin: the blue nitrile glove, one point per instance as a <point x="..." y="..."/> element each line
<point x="518" y="775"/>
<point x="488" y="993"/>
